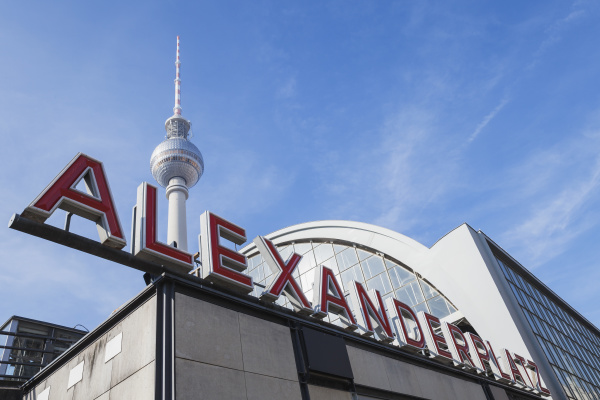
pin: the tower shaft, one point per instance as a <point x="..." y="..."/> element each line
<point x="177" y="193"/>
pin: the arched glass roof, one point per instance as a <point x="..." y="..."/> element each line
<point x="375" y="270"/>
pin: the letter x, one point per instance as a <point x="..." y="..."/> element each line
<point x="284" y="282"/>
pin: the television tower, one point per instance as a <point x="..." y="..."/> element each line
<point x="177" y="165"/>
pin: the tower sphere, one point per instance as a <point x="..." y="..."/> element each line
<point x="176" y="157"/>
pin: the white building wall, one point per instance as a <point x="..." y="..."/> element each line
<point x="457" y="268"/>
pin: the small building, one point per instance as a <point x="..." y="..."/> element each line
<point x="28" y="345"/>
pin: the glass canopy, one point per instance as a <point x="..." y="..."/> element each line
<point x="348" y="263"/>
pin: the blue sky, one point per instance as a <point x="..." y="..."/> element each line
<point x="416" y="116"/>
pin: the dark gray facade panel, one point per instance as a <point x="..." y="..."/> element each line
<point x="326" y="353"/>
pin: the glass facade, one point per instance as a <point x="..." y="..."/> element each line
<point x="572" y="349"/>
<point x="30" y="345"/>
<point x="348" y="263"/>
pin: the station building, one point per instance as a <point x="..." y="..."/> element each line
<point x="185" y="337"/>
<point x="466" y="279"/>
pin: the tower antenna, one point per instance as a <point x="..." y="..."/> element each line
<point x="177" y="108"/>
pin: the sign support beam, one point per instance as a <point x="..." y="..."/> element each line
<point x="86" y="245"/>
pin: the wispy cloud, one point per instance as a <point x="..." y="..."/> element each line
<point x="392" y="180"/>
<point x="486" y="120"/>
<point x="559" y="209"/>
<point x="557" y="29"/>
<point x="415" y="168"/>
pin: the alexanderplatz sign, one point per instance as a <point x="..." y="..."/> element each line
<point x="225" y="268"/>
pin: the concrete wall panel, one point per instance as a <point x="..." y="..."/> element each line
<point x="402" y="377"/>
<point x="498" y="393"/>
<point x="207" y="333"/>
<point x="96" y="374"/>
<point x="139" y="386"/>
<point x="59" y="379"/>
<point x="196" y="380"/>
<point x="259" y="387"/>
<point x="368" y="368"/>
<point x="33" y="394"/>
<point x="104" y="396"/>
<point x="321" y="393"/>
<point x="267" y="348"/>
<point x="138" y="347"/>
<point x="467" y="390"/>
<point x="438" y="386"/>
<point x="385" y="373"/>
<point x="433" y="384"/>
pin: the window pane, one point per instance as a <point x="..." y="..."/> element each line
<point x="351" y="274"/>
<point x="332" y="265"/>
<point x="259" y="273"/>
<point x="450" y="307"/>
<point x="421" y="307"/>
<point x="372" y="266"/>
<point x="347" y="258"/>
<point x="307" y="280"/>
<point x="253" y="262"/>
<point x="363" y="254"/>
<point x="307" y="262"/>
<point x="381" y="282"/>
<point x="428" y="291"/>
<point x="323" y="252"/>
<point x="438" y="307"/>
<point x="302" y="248"/>
<point x="338" y="248"/>
<point x="410" y="294"/>
<point x="286" y="252"/>
<point x="269" y="279"/>
<point x="400" y="276"/>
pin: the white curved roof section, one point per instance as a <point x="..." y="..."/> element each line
<point x="367" y="235"/>
<point x="458" y="266"/>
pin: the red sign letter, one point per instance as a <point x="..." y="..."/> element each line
<point x="537" y="379"/>
<point x="459" y="351"/>
<point x="499" y="374"/>
<point x="479" y="353"/>
<point x="97" y="205"/>
<point x="434" y="341"/>
<point x="511" y="366"/>
<point x="220" y="264"/>
<point x="145" y="241"/>
<point x="325" y="282"/>
<point x="284" y="282"/>
<point x="367" y="313"/>
<point x="400" y="311"/>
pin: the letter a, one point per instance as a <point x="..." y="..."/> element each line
<point x="96" y="205"/>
